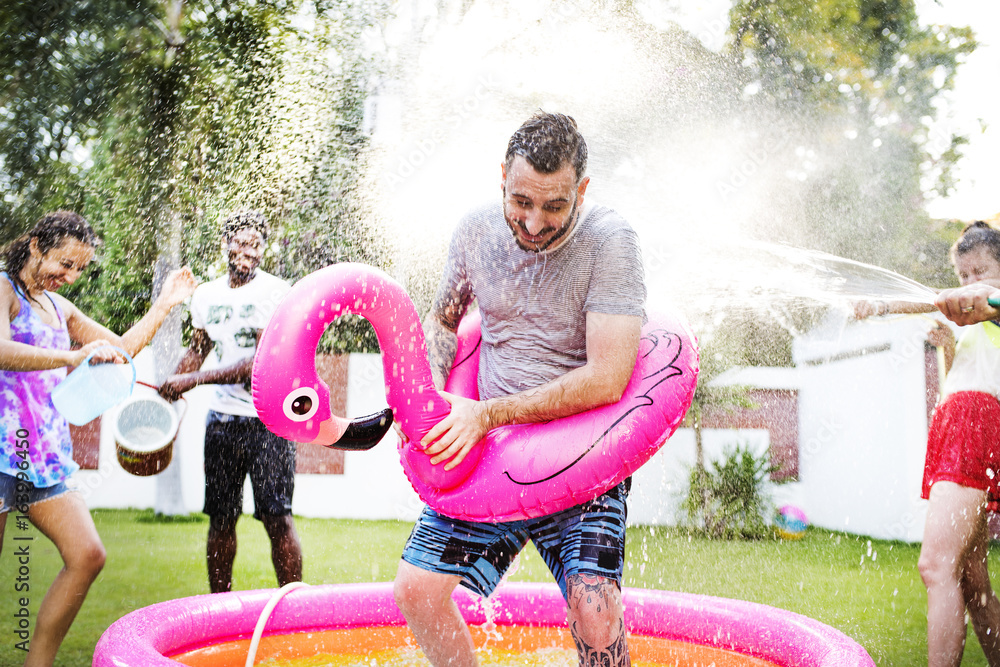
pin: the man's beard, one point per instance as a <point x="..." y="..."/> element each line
<point x="243" y="275"/>
<point x="570" y="221"/>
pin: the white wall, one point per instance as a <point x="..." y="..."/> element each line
<point x="863" y="426"/>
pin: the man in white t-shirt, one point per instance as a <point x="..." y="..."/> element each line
<point x="228" y="315"/>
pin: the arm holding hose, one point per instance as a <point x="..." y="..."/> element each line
<point x="866" y="309"/>
<point x="977" y="302"/>
<point x="940" y="335"/>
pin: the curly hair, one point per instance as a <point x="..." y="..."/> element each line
<point x="244" y="219"/>
<point x="549" y="141"/>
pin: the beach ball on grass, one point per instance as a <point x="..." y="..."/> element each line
<point x="791" y="522"/>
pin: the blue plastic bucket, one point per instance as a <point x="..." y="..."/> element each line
<point x="93" y="388"/>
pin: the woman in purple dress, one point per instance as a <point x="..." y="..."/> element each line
<point x="37" y="329"/>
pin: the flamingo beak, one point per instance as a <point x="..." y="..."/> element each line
<point x="359" y="434"/>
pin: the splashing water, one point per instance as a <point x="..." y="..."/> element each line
<point x="821" y="276"/>
<point x="755" y="274"/>
<point x="490" y="609"/>
<point x="676" y="145"/>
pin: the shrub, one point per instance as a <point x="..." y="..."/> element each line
<point x="730" y="499"/>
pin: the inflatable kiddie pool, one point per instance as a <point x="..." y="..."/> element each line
<point x="362" y="620"/>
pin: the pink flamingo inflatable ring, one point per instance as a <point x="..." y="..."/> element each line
<point x="515" y="472"/>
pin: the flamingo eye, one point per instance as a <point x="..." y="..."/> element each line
<point x="301" y="404"/>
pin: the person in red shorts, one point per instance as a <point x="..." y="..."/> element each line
<point x="962" y="467"/>
<point x="962" y="475"/>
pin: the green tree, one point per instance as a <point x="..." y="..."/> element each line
<point x="731" y="500"/>
<point x="154" y="118"/>
<point x="861" y="77"/>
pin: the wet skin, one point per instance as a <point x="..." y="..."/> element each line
<point x="540" y="209"/>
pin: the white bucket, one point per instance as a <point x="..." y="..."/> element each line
<point x="144" y="430"/>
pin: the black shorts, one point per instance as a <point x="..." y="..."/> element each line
<point x="238" y="446"/>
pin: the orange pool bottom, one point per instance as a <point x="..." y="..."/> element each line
<point x="296" y="649"/>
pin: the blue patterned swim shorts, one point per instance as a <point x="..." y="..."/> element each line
<point x="585" y="539"/>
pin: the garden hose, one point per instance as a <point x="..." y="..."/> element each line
<point x="266" y="614"/>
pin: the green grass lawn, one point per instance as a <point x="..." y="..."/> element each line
<point x="869" y="589"/>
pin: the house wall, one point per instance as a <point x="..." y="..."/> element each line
<point x="371" y="486"/>
<point x="863" y="426"/>
<point x="864" y="393"/>
<point x="773" y="410"/>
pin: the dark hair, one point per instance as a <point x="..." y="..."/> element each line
<point x="245" y="219"/>
<point x="549" y="141"/>
<point x="978" y="234"/>
<point x="50" y="231"/>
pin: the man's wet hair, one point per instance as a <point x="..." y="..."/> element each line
<point x="549" y="141"/>
<point x="245" y="219"/>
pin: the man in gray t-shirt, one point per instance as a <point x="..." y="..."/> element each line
<point x="559" y="285"/>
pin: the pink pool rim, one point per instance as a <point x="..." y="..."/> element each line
<point x="146" y="636"/>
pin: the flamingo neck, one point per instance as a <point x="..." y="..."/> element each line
<point x="409" y="385"/>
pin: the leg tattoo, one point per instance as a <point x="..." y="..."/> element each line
<point x="589" y="595"/>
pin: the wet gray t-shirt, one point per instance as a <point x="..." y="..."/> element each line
<point x="534" y="305"/>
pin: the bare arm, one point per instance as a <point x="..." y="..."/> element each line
<point x="612" y="346"/>
<point x="968" y="304"/>
<point x="442" y="344"/>
<point x="441" y="330"/>
<point x="178" y="286"/>
<point x="20" y="357"/>
<point x="84" y="330"/>
<point x="16" y="356"/>
<point x="939" y="336"/>
<point x="866" y="309"/>
<point x="942" y="336"/>
<point x="188" y="375"/>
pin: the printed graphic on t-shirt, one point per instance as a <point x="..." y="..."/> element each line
<point x="218" y="314"/>
<point x="245" y="337"/>
<point x="232" y="318"/>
